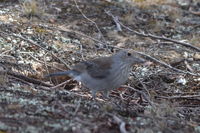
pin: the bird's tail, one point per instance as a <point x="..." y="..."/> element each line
<point x="70" y="73"/>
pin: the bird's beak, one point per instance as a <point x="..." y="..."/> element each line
<point x="137" y="58"/>
<point x="140" y="60"/>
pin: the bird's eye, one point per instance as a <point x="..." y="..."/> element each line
<point x="129" y="54"/>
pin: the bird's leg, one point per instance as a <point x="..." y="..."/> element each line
<point x="106" y="94"/>
<point x="94" y="94"/>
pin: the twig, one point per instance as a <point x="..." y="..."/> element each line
<point x="154" y="36"/>
<point x="25" y="39"/>
<point x="61" y="60"/>
<point x="34" y="43"/>
<point x="64" y="29"/>
<point x="5" y="52"/>
<point x="63" y="83"/>
<point x="21" y="80"/>
<point x="144" y="86"/>
<point x="140" y="92"/>
<point x="116" y="20"/>
<point x="188" y="66"/>
<point x="121" y="124"/>
<point x="194" y="12"/>
<point x="9" y="56"/>
<point x="44" y="62"/>
<point x="77" y="107"/>
<point x="27" y="79"/>
<point x="180" y="97"/>
<point x="166" y="65"/>
<point x="90" y="20"/>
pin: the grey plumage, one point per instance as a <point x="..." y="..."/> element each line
<point x="104" y="73"/>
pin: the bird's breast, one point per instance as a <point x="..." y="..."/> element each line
<point x="116" y="77"/>
<point x="120" y="75"/>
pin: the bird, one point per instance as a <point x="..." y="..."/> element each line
<point x="103" y="74"/>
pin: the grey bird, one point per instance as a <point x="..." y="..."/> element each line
<point x="105" y="73"/>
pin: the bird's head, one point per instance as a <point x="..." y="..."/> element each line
<point x="129" y="57"/>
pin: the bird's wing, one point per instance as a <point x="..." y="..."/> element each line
<point x="97" y="68"/>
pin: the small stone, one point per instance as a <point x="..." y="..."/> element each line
<point x="196" y="56"/>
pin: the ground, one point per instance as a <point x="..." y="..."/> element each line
<point x="41" y="37"/>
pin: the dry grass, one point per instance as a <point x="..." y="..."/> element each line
<point x="147" y="3"/>
<point x="32" y="8"/>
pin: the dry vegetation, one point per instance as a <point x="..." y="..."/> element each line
<point x="41" y="37"/>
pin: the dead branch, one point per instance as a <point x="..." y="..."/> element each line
<point x="188" y="66"/>
<point x="77" y="107"/>
<point x="63" y="83"/>
<point x="166" y="65"/>
<point x="194" y="12"/>
<point x="151" y="35"/>
<point x="140" y="92"/>
<point x="25" y="39"/>
<point x="90" y="21"/>
<point x="44" y="62"/>
<point x="180" y="97"/>
<point x="27" y="79"/>
<point x="121" y="124"/>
